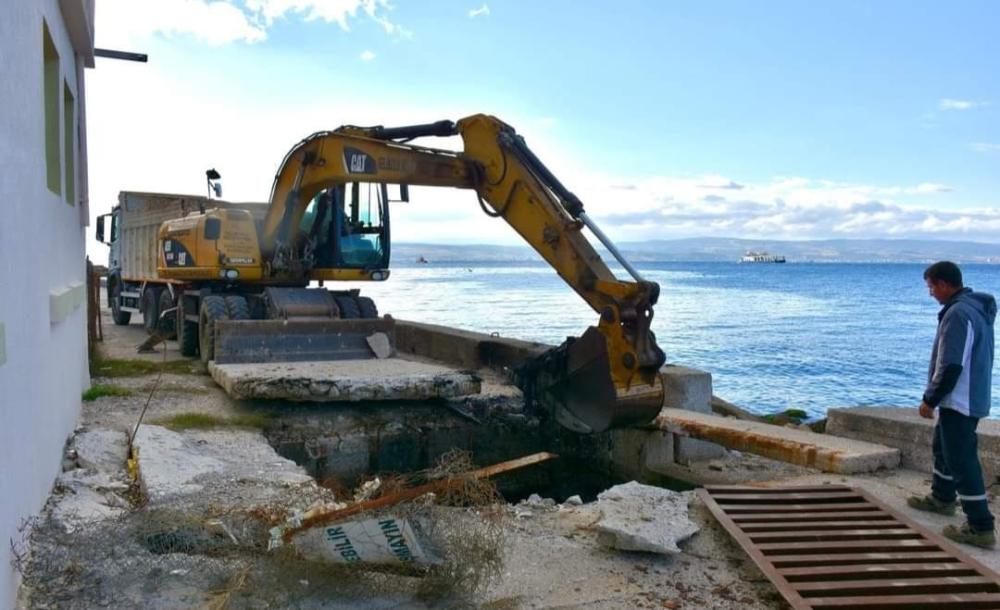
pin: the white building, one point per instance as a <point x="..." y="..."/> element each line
<point x="44" y="47"/>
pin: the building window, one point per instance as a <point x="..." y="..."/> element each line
<point x="53" y="172"/>
<point x="69" y="148"/>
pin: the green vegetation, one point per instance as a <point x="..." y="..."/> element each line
<point x="788" y="416"/>
<point x="99" y="389"/>
<point x="202" y="421"/>
<point x="133" y="367"/>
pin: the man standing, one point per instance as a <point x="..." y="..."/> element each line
<point x="959" y="382"/>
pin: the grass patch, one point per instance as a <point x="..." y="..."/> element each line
<point x="133" y="367"/>
<point x="99" y="389"/>
<point x="203" y="421"/>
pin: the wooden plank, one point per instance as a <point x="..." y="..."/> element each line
<point x="324" y="517"/>
<point x="889" y="570"/>
<point x="909" y="586"/>
<point x="851" y="515"/>
<point x="739" y="489"/>
<point x="869" y="546"/>
<point x="898" y="533"/>
<point x="795" y="526"/>
<point x="770" y="509"/>
<point x="860" y="558"/>
<point x="965" y="601"/>
<point x="798" y="498"/>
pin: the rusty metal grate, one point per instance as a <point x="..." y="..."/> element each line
<point x="837" y="547"/>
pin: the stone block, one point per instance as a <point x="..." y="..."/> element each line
<point x="691" y="390"/>
<point x="686" y="388"/>
<point x="904" y="429"/>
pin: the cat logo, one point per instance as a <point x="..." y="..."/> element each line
<point x="358" y="162"/>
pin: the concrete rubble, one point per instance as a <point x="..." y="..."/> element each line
<point x="637" y="517"/>
<point x="344" y="380"/>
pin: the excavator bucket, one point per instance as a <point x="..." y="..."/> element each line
<point x="573" y="382"/>
<point x="301" y="340"/>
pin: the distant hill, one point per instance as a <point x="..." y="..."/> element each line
<point x="730" y="250"/>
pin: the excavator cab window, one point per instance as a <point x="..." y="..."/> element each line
<point x="362" y="225"/>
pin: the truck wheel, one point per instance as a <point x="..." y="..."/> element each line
<point x="120" y="317"/>
<point x="348" y="308"/>
<point x="237" y="308"/>
<point x="168" y="324"/>
<point x="187" y="332"/>
<point x="150" y="308"/>
<point x="367" y="308"/>
<point x="213" y="309"/>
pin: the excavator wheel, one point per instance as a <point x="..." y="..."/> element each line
<point x="167" y="324"/>
<point x="187" y="332"/>
<point x="237" y="308"/>
<point x="367" y="308"/>
<point x="150" y="308"/>
<point x="213" y="309"/>
<point x="348" y="308"/>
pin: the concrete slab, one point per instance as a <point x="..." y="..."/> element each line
<point x="822" y="451"/>
<point x="904" y="429"/>
<point x="173" y="465"/>
<point x="344" y="380"/>
<point x="637" y="517"/>
<point x="689" y="389"/>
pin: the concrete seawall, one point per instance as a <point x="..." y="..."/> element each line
<point x="904" y="429"/>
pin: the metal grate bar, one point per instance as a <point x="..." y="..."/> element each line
<point x="838" y="547"/>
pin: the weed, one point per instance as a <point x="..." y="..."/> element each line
<point x="201" y="421"/>
<point x="99" y="389"/>
<point x="100" y="366"/>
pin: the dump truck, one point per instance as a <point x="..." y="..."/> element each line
<point x="130" y="230"/>
<point x="246" y="290"/>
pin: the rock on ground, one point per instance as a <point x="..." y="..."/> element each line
<point x="639" y="517"/>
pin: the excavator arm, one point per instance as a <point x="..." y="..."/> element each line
<point x="606" y="378"/>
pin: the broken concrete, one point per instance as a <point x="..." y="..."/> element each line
<point x="100" y="449"/>
<point x="173" y="464"/>
<point x="904" y="429"/>
<point x="637" y="517"/>
<point x="343" y="380"/>
<point x="805" y="448"/>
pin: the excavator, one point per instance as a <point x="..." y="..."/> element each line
<point x="328" y="220"/>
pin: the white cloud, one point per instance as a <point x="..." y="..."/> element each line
<point x="219" y="22"/>
<point x="985" y="147"/>
<point x="931" y="187"/>
<point x="953" y="104"/>
<point x="781" y="208"/>
<point x="367" y="56"/>
<point x="482" y="11"/>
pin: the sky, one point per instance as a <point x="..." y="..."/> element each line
<point x="669" y="119"/>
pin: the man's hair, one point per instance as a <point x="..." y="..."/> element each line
<point x="944" y="271"/>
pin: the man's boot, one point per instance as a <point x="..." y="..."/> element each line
<point x="966" y="535"/>
<point x="931" y="504"/>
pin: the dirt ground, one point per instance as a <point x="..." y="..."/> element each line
<point x="119" y="552"/>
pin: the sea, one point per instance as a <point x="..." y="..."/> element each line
<point x="811" y="336"/>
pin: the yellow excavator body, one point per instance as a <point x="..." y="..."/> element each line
<point x="329" y="220"/>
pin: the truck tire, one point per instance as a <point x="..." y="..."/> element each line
<point x="150" y="308"/>
<point x="121" y="318"/>
<point x="237" y="308"/>
<point x="213" y="309"/>
<point x="187" y="332"/>
<point x="168" y="324"/>
<point x="367" y="308"/>
<point x="348" y="308"/>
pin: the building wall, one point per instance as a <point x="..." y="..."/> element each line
<point x="43" y="351"/>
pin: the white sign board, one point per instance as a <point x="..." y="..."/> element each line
<point x="382" y="540"/>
